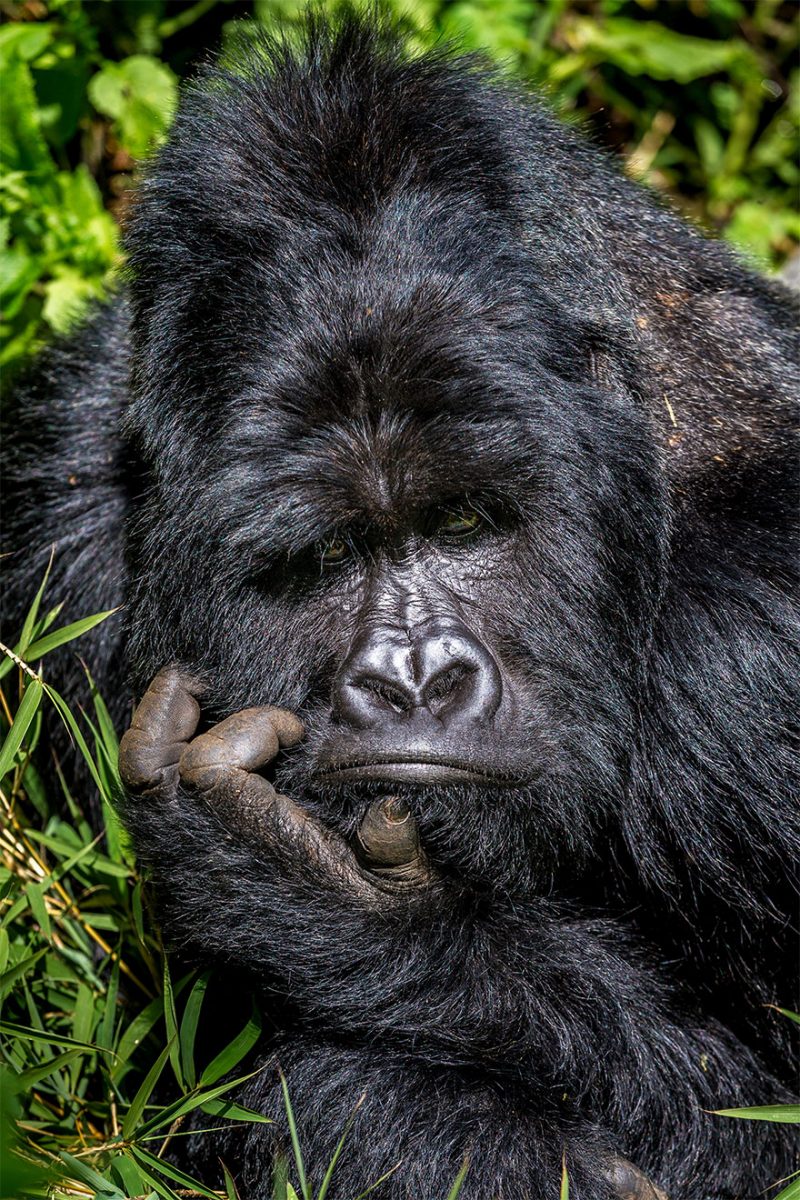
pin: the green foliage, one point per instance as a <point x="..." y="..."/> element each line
<point x="700" y="97"/>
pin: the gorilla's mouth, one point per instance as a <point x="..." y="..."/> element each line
<point x="416" y="768"/>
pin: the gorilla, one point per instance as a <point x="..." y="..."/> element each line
<point x="448" y="482"/>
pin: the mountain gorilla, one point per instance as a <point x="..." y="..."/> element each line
<point x="447" y="480"/>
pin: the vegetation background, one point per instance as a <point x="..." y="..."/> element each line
<point x="99" y="1048"/>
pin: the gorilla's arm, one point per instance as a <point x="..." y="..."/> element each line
<point x="375" y="945"/>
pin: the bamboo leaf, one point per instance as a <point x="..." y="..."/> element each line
<point x="235" y="1112"/>
<point x="792" y="1192"/>
<point x="24" y="715"/>
<point x="786" y="1114"/>
<point x="134" y="1113"/>
<point x="189" y="1023"/>
<point x="67" y="633"/>
<point x="144" y="1158"/>
<point x="235" y="1051"/>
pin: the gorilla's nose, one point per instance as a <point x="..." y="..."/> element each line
<point x="434" y="669"/>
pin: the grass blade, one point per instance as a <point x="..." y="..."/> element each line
<point x="458" y="1182"/>
<point x="298" y="1155"/>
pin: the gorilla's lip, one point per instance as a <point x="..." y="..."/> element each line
<point x="416" y="768"/>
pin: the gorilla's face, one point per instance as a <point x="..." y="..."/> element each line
<point x="428" y="528"/>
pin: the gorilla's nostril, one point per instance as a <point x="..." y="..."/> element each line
<point x="444" y="685"/>
<point x="391" y="695"/>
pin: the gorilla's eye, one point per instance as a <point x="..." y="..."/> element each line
<point x="333" y="552"/>
<point x="459" y="522"/>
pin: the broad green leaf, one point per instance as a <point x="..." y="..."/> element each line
<point x="648" y="48"/>
<point x="140" y="94"/>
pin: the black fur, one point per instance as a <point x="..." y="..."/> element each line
<point x="363" y="285"/>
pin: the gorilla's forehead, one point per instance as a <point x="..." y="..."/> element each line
<point x="377" y="470"/>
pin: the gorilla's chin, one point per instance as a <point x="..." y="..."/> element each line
<point x="482" y="834"/>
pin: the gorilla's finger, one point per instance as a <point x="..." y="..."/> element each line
<point x="245" y="742"/>
<point x="163" y="721"/>
<point x="388" y="833"/>
<point x="630" y="1183"/>
<point x="388" y="840"/>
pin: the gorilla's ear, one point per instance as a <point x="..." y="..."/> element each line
<point x="65" y="492"/>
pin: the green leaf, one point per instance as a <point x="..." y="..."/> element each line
<point x="235" y="1051"/>
<point x="67" y="633"/>
<point x="140" y="94"/>
<point x="458" y="1182"/>
<point x="171" y="1021"/>
<point x="187" y="1104"/>
<point x="27" y="1033"/>
<point x="792" y="1192"/>
<point x="10" y="977"/>
<point x="33" y="611"/>
<point x="189" y="1022"/>
<point x="137" y="1106"/>
<point x="145" y="1158"/>
<point x="80" y="1170"/>
<point x="564" y="1192"/>
<point x="326" y="1182"/>
<point x="298" y="1154"/>
<point x="642" y="47"/>
<point x="235" y="1112"/>
<point x="33" y="1075"/>
<point x="24" y="715"/>
<point x="786" y="1114"/>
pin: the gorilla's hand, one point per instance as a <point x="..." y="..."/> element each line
<point x="157" y="759"/>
